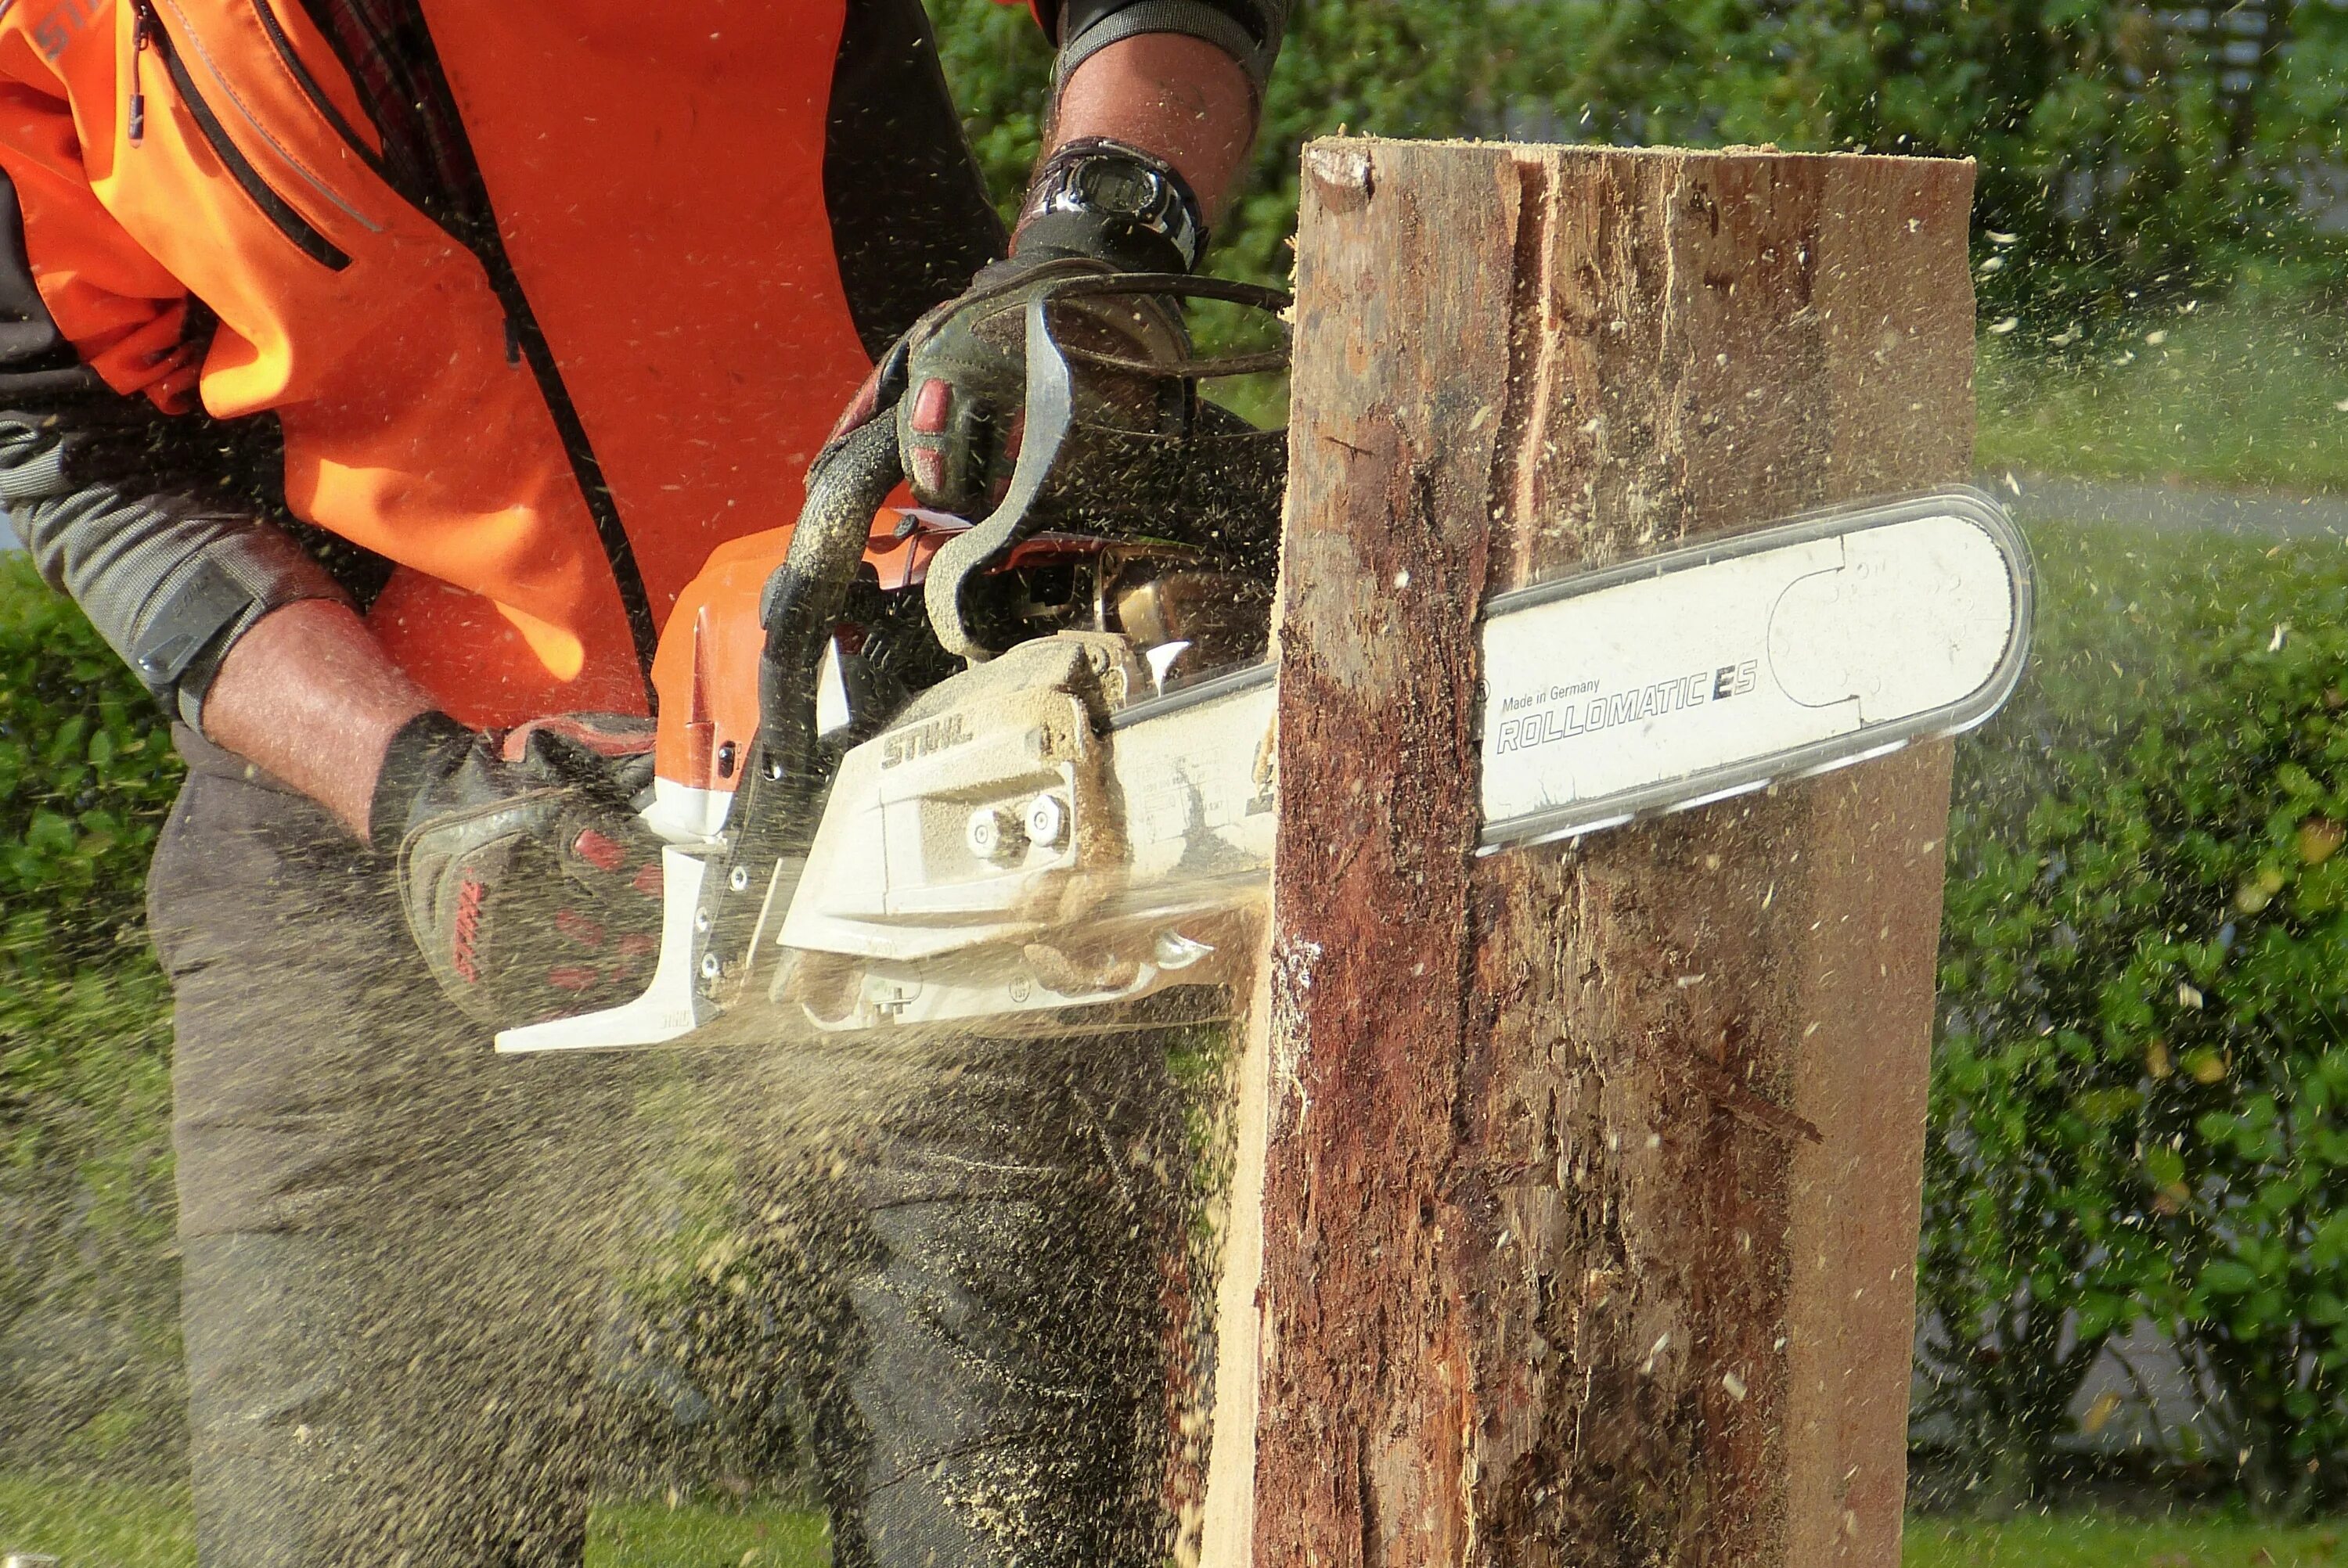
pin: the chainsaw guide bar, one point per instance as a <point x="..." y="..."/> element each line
<point x="1042" y="843"/>
<point x="1701" y="674"/>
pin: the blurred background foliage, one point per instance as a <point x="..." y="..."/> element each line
<point x="2137" y="1092"/>
<point x="2128" y="152"/>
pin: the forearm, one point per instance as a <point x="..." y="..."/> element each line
<point x="231" y="625"/>
<point x="1180" y="98"/>
<point x="310" y="695"/>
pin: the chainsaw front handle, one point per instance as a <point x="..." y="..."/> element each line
<point x="1051" y="414"/>
<point x="848" y="486"/>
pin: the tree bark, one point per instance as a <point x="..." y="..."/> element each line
<point x="1588" y="1173"/>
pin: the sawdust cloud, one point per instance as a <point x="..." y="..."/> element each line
<point x="663" y="1300"/>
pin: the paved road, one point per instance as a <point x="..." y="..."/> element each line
<point x="2172" y="508"/>
<point x="2180" y="509"/>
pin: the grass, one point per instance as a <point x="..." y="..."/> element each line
<point x="93" y="1526"/>
<point x="2084" y="1540"/>
<point x="2251" y="394"/>
<point x="653" y="1535"/>
<point x="131" y="1527"/>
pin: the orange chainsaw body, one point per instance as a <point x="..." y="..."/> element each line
<point x="707" y="670"/>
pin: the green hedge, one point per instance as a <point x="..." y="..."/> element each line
<point x="90" y="1375"/>
<point x="2145" y="952"/>
<point x="2144" y="990"/>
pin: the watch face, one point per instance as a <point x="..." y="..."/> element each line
<point x="1118" y="188"/>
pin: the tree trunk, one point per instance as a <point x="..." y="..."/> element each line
<point x="1578" y="1185"/>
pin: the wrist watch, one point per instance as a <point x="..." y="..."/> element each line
<point x="1107" y="180"/>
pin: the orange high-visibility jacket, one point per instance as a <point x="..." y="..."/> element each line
<point x="548" y="297"/>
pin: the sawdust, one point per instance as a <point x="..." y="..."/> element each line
<point x="672" y="1272"/>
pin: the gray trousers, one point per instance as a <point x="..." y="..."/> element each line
<point x="398" y="1247"/>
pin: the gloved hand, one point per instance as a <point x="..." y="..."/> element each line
<point x="1096" y="206"/>
<point x="528" y="880"/>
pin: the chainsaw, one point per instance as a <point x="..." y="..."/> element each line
<point x="1016" y="775"/>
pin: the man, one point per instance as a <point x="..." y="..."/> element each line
<point x="376" y="373"/>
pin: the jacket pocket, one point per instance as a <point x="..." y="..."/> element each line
<point x="151" y="34"/>
<point x="323" y="105"/>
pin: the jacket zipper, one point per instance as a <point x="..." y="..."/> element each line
<point x="142" y="25"/>
<point x="300" y="71"/>
<point x="473" y="223"/>
<point x="148" y="32"/>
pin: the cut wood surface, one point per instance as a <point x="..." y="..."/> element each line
<point x="1589" y="1173"/>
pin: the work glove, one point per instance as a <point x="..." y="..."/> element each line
<point x="1096" y="206"/>
<point x="529" y="882"/>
